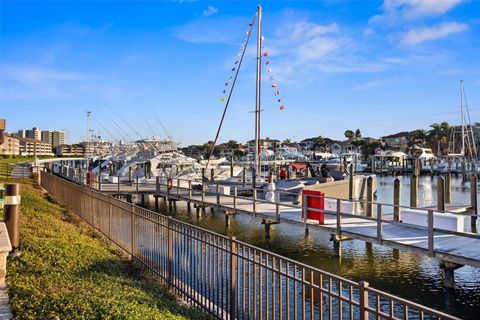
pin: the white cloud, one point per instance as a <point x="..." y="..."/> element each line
<point x="211" y="10"/>
<point x="405" y="10"/>
<point x="439" y="31"/>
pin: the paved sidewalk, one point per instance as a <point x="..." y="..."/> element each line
<point x="5" y="312"/>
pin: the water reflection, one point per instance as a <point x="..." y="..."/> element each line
<point x="408" y="275"/>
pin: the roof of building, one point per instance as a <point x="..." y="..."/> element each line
<point x="397" y="135"/>
<point x="264" y="140"/>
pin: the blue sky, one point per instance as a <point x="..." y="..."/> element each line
<point x="381" y="66"/>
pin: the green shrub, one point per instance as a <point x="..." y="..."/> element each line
<point x="63" y="272"/>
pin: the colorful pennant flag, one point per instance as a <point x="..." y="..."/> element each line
<point x="267" y="62"/>
<point x="282" y="108"/>
<point x="274" y="85"/>
<point x="265" y="54"/>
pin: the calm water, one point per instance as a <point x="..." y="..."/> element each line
<point x="407" y="275"/>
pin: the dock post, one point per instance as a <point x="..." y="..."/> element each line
<point x="374" y="170"/>
<point x="254" y="178"/>
<point x="254" y="203"/>
<point x="337" y="248"/>
<point x="217" y="189"/>
<point x="305" y="212"/>
<point x="156" y="203"/>
<point x="414" y="191"/>
<point x="203" y="174"/>
<point x="473" y="201"/>
<point x="203" y="192"/>
<point x="464" y="170"/>
<point x="244" y="177"/>
<point x="338" y="231"/>
<point x="369" y="200"/>
<point x="431" y="248"/>
<point x="235" y="199"/>
<point x="231" y="167"/>
<point x="350" y="183"/>
<point x="189" y="191"/>
<point x="267" y="228"/>
<point x="212" y="174"/>
<point x="449" y="273"/>
<point x="440" y="193"/>
<point x="448" y="187"/>
<point x="379" y="223"/>
<point x="136" y="188"/>
<point x="397" y="191"/>
<point x="99" y="179"/>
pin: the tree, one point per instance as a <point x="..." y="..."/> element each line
<point x="349" y="134"/>
<point x="319" y="143"/>
<point x="232" y="144"/>
<point x="416" y="138"/>
<point x="437" y="136"/>
<point x="286" y="141"/>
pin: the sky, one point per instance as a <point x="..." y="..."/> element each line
<point x="159" y="68"/>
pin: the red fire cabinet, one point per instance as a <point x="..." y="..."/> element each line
<point x="315" y="200"/>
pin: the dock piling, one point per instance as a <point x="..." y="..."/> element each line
<point x="350" y="183"/>
<point x="397" y="188"/>
<point x="473" y="200"/>
<point x="441" y="193"/>
<point x="448" y="187"/>
<point x="414" y="191"/>
<point x="369" y="200"/>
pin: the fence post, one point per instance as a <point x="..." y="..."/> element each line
<point x="132" y="229"/>
<point x="379" y="223"/>
<point x="397" y="191"/>
<point x="110" y="209"/>
<point x="431" y="248"/>
<point x="233" y="277"/>
<point x="362" y="286"/>
<point x="169" y="251"/>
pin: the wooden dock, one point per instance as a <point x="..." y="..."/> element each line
<point x="453" y="249"/>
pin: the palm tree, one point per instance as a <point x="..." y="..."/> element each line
<point x="349" y="134"/>
<point x="438" y="136"/>
<point x="320" y="143"/>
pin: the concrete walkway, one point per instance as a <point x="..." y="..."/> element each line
<point x="5" y="312"/>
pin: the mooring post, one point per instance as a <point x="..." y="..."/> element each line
<point x="448" y="187"/>
<point x="397" y="216"/>
<point x="374" y="170"/>
<point x="254" y="204"/>
<point x="350" y="183"/>
<point x="473" y="200"/>
<point x="203" y="174"/>
<point x="12" y="213"/>
<point x="464" y="170"/>
<point x="254" y="178"/>
<point x="305" y="211"/>
<point x="156" y="203"/>
<point x="244" y="177"/>
<point x="379" y="223"/>
<point x="189" y="191"/>
<point x="414" y="191"/>
<point x="136" y="188"/>
<point x="235" y="198"/>
<point x="203" y="192"/>
<point x="369" y="200"/>
<point x="231" y="166"/>
<point x="338" y="231"/>
<point x="217" y="189"/>
<point x="337" y="248"/>
<point x="440" y="193"/>
<point x="431" y="248"/>
<point x="212" y="174"/>
<point x="99" y="179"/>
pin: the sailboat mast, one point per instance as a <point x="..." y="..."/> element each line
<point x="258" y="84"/>
<point x="463" y="118"/>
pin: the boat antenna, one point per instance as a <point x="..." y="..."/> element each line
<point x="168" y="136"/>
<point x="463" y="118"/>
<point x="231" y="91"/>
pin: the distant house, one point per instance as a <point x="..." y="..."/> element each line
<point x="268" y="144"/>
<point x="397" y="141"/>
<point x="34" y="147"/>
<point x="70" y="150"/>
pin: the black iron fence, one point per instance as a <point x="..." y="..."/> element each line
<point x="225" y="277"/>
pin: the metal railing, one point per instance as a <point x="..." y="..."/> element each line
<point x="8" y="170"/>
<point x="225" y="277"/>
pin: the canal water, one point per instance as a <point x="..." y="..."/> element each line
<point x="408" y="275"/>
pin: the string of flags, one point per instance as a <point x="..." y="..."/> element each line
<point x="268" y="69"/>
<point x="271" y="77"/>
<point x="235" y="64"/>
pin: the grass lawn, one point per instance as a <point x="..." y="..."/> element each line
<point x="16" y="160"/>
<point x="67" y="271"/>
